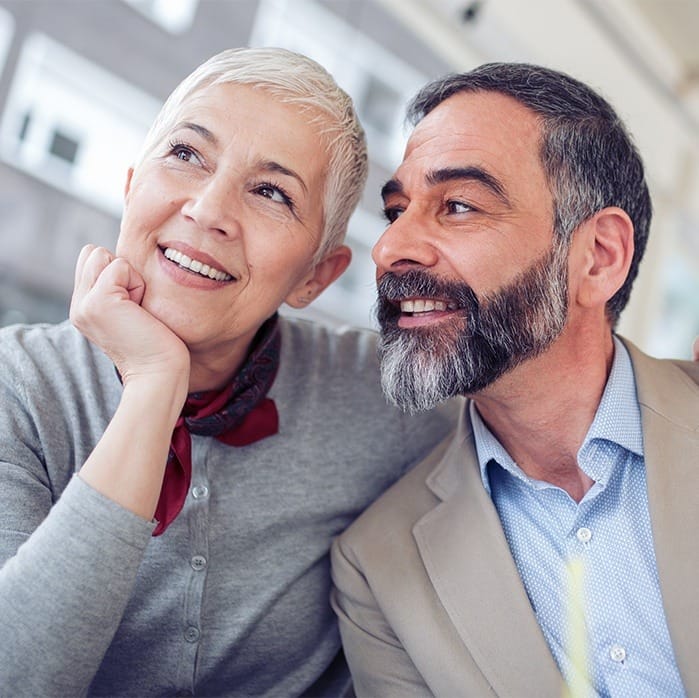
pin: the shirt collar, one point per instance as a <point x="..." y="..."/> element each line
<point x="618" y="420"/>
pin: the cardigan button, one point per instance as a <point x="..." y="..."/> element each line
<point x="198" y="563"/>
<point x="200" y="492"/>
<point x="191" y="634"/>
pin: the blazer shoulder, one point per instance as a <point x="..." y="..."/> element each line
<point x="394" y="514"/>
<point x="667" y="387"/>
<point x="690" y="368"/>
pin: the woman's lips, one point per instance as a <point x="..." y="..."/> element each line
<point x="195" y="265"/>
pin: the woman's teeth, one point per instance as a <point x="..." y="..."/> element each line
<point x="196" y="266"/>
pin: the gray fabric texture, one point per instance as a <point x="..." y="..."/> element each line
<point x="233" y="599"/>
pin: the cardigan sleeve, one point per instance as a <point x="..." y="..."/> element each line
<point x="67" y="560"/>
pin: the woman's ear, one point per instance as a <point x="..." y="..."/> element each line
<point x="320" y="277"/>
<point x="609" y="246"/>
<point x="127" y="185"/>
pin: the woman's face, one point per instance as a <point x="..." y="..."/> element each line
<point x="223" y="217"/>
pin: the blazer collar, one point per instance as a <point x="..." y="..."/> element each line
<point x="669" y="401"/>
<point x="470" y="566"/>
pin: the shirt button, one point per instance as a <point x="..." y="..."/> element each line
<point x="198" y="562"/>
<point x="200" y="492"/>
<point x="191" y="634"/>
<point x="617" y="653"/>
<point x="584" y="534"/>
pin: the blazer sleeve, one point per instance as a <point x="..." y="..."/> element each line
<point x="380" y="666"/>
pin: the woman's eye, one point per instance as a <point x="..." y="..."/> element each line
<point x="276" y="194"/>
<point x="183" y="152"/>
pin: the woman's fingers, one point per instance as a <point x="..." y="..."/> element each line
<point x="120" y="278"/>
<point x="106" y="308"/>
<point x="91" y="263"/>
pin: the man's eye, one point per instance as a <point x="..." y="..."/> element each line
<point x="458" y="207"/>
<point x="391" y="213"/>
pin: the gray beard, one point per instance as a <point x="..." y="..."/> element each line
<point x="421" y="367"/>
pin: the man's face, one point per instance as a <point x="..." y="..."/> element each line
<point x="470" y="281"/>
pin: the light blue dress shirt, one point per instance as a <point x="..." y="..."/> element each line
<point x="629" y="652"/>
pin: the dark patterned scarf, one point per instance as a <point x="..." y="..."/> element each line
<point x="237" y="415"/>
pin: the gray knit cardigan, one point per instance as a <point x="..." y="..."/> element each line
<point x="233" y="599"/>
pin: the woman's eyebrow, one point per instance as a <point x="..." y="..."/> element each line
<point x="199" y="129"/>
<point x="265" y="165"/>
<point x="273" y="166"/>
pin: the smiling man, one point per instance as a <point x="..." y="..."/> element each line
<point x="517" y="222"/>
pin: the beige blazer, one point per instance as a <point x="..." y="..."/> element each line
<point x="428" y="595"/>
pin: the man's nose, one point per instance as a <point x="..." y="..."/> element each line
<point x="214" y="206"/>
<point x="404" y="244"/>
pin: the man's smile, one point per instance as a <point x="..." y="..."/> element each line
<point x="416" y="312"/>
<point x="425" y="305"/>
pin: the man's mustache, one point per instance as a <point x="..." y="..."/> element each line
<point x="416" y="283"/>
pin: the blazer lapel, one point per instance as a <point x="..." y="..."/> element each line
<point x="470" y="566"/>
<point x="669" y="401"/>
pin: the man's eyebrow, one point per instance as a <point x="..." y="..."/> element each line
<point x="197" y="128"/>
<point x="393" y="186"/>
<point x="450" y="174"/>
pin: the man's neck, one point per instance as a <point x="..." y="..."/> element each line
<point x="542" y="410"/>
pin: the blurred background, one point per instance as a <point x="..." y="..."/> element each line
<point x="81" y="80"/>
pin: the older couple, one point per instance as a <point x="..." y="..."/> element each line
<point x="174" y="470"/>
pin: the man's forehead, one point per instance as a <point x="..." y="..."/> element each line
<point x="474" y="128"/>
<point x="466" y="113"/>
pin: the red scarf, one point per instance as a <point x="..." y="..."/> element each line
<point x="237" y="415"/>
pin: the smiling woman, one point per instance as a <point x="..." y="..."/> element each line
<point x="176" y="462"/>
<point x="228" y="187"/>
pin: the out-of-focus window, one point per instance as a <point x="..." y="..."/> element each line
<point x="73" y="124"/>
<point x="677" y="322"/>
<point x="175" y="16"/>
<point x="7" y="28"/>
<point x="379" y="82"/>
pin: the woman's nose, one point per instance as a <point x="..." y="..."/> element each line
<point x="405" y="243"/>
<point x="212" y="205"/>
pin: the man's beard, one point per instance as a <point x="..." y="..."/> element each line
<point x="483" y="339"/>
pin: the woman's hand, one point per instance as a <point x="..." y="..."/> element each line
<point x="128" y="462"/>
<point x="106" y="308"/>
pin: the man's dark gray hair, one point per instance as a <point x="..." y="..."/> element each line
<point x="588" y="157"/>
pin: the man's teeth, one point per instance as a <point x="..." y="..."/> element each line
<point x="196" y="266"/>
<point x="422" y="306"/>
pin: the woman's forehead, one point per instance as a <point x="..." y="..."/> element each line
<point x="232" y="109"/>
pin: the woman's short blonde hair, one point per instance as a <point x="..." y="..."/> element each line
<point x="294" y="79"/>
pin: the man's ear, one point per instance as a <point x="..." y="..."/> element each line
<point x="608" y="243"/>
<point x="320" y="277"/>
